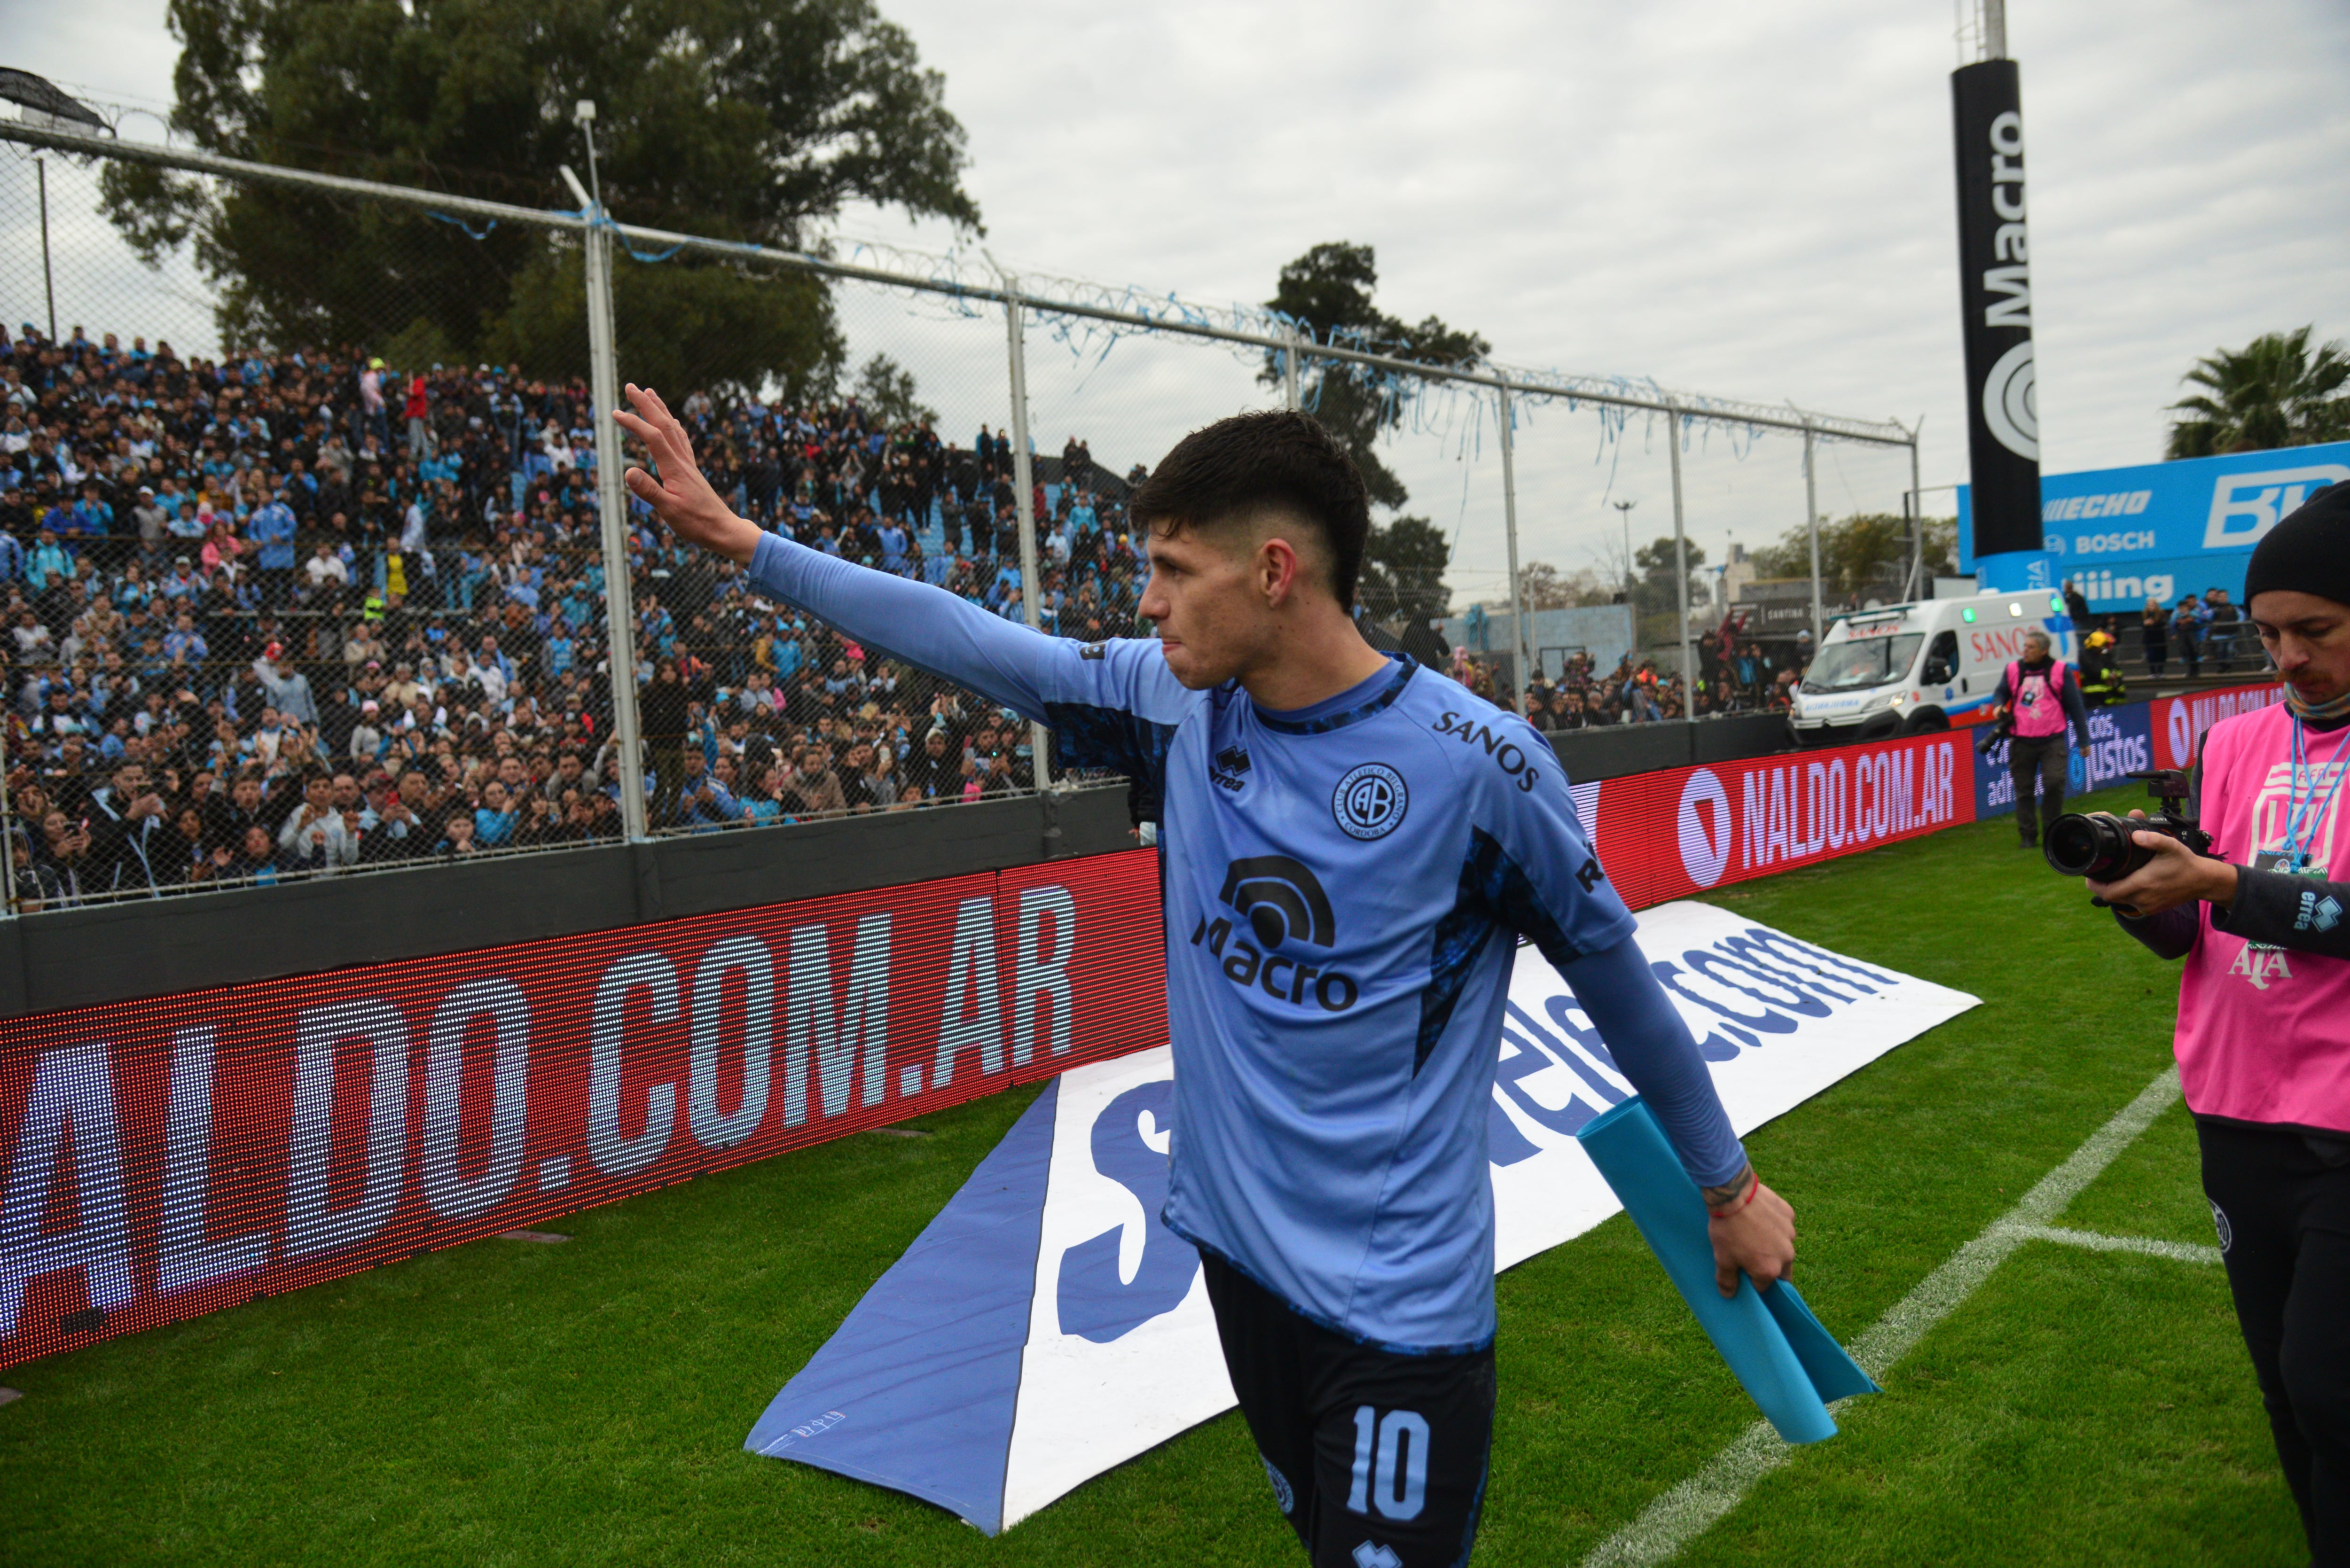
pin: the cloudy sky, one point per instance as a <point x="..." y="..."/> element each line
<point x="1748" y="201"/>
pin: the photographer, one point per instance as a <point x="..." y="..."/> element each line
<point x="2037" y="697"/>
<point x="2264" y="1035"/>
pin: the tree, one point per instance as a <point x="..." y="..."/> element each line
<point x="2272" y="392"/>
<point x="1865" y="555"/>
<point x="740" y="119"/>
<point x="1542" y="586"/>
<point x="885" y="390"/>
<point x="1655" y="568"/>
<point x="1328" y="292"/>
<point x="1403" y="572"/>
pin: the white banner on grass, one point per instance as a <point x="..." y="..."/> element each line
<point x="1117" y="1350"/>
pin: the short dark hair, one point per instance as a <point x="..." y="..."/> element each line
<point x="1278" y="459"/>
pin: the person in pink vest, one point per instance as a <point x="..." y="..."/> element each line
<point x="2263" y="1039"/>
<point x="2038" y="696"/>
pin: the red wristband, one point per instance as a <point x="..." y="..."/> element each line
<point x="1742" y="1203"/>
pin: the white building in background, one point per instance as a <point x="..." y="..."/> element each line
<point x="1603" y="631"/>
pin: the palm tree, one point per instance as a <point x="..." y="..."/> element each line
<point x="2272" y="392"/>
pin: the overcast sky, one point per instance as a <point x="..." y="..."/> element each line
<point x="1748" y="201"/>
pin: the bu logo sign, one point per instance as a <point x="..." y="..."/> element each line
<point x="1703" y="828"/>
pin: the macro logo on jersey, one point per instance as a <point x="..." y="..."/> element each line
<point x="1230" y="770"/>
<point x="1507" y="754"/>
<point x="1369" y="802"/>
<point x="1280" y="901"/>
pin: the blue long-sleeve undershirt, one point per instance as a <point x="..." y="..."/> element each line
<point x="1654" y="1050"/>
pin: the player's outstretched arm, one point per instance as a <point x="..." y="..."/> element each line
<point x="924" y="626"/>
<point x="1752" y="1227"/>
<point x="681" y="498"/>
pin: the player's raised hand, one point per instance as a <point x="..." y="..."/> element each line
<point x="1756" y="1238"/>
<point x="681" y="498"/>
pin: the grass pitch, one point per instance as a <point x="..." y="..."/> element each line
<point x="506" y="1403"/>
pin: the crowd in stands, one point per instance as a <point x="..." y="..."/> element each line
<point x="299" y="612"/>
<point x="1736" y="674"/>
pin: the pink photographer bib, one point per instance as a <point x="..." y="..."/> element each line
<point x="2264" y="1032"/>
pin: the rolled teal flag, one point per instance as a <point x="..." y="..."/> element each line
<point x="1789" y="1363"/>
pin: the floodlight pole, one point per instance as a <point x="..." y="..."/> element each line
<point x="1289" y="371"/>
<point x="1681" y="569"/>
<point x="1040" y="738"/>
<point x="49" y="281"/>
<point x="611" y="503"/>
<point x="1812" y="526"/>
<point x="1916" y="517"/>
<point x="1623" y="510"/>
<point x="1517" y="596"/>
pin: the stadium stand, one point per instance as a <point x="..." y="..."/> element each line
<point x="300" y="613"/>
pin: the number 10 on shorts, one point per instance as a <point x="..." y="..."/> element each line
<point x="1390" y="1463"/>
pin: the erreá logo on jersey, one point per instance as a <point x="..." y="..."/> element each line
<point x="1280" y="902"/>
<point x="1370" y="801"/>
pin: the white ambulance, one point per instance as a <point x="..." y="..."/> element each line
<point x="1909" y="667"/>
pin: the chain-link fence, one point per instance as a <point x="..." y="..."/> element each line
<point x="326" y="568"/>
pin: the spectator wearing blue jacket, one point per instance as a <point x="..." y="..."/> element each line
<point x="703" y="802"/>
<point x="494" y="818"/>
<point x="271" y="529"/>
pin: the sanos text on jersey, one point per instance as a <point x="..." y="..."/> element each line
<point x="1511" y="757"/>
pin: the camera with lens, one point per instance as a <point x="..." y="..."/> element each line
<point x="2098" y="844"/>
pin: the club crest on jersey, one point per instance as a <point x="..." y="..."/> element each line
<point x="1230" y="769"/>
<point x="1370" y="801"/>
<point x="2259" y="965"/>
<point x="1279" y="900"/>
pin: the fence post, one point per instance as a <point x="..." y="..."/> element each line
<point x="1812" y="527"/>
<point x="1289" y="371"/>
<point x="612" y="506"/>
<point x="1509" y="526"/>
<point x="1681" y="565"/>
<point x="7" y="816"/>
<point x="1023" y="485"/>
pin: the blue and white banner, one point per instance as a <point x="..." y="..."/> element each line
<point x="1046" y="1326"/>
<point x="2121" y="743"/>
<point x="2128" y="535"/>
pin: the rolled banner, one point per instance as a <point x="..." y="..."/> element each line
<point x="1790" y="1364"/>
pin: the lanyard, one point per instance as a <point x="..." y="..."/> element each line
<point x="2295" y="836"/>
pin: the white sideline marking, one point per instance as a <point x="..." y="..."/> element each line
<point x="2178" y="1252"/>
<point x="1679" y="1516"/>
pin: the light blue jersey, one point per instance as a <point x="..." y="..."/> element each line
<point x="1344" y="885"/>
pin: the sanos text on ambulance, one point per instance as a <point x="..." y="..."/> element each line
<point x="2128" y="535"/>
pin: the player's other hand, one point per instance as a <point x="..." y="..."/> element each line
<point x="680" y="497"/>
<point x="1758" y="1238"/>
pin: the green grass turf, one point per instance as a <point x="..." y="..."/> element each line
<point x="505" y="1403"/>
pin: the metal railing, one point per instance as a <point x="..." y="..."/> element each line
<point x="1287" y="345"/>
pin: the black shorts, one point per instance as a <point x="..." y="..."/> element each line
<point x="1377" y="1458"/>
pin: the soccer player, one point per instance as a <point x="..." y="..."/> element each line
<point x="1353" y="844"/>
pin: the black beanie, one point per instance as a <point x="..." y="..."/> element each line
<point x="2309" y="552"/>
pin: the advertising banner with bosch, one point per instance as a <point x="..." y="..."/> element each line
<point x="2160" y="531"/>
<point x="171" y="1157"/>
<point x="1910" y="669"/>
